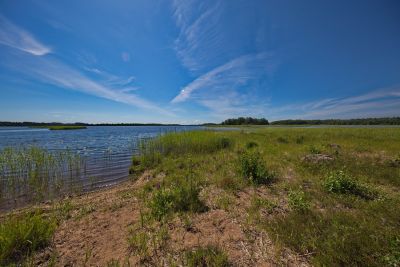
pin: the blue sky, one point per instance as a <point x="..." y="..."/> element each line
<point x="189" y="61"/>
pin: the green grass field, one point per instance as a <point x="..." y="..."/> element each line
<point x="338" y="188"/>
<point x="329" y="195"/>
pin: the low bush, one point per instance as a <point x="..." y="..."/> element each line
<point x="300" y="140"/>
<point x="251" y="144"/>
<point x="298" y="201"/>
<point x="315" y="150"/>
<point x="21" y="236"/>
<point x="341" y="183"/>
<point x="253" y="169"/>
<point x="182" y="196"/>
<point x="282" y="140"/>
<point x="206" y="257"/>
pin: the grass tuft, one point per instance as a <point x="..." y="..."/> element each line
<point x="298" y="201"/>
<point x="209" y="256"/>
<point x="183" y="196"/>
<point x="341" y="183"/>
<point x="21" y="236"/>
<point x="253" y="169"/>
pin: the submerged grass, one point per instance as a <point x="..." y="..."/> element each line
<point x="35" y="174"/>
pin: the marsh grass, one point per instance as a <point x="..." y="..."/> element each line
<point x="36" y="174"/>
<point x="21" y="236"/>
<point x="152" y="151"/>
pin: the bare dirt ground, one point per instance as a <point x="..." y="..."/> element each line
<point x="97" y="229"/>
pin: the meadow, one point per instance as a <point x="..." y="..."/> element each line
<point x="285" y="196"/>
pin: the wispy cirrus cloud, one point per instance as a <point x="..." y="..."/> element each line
<point x="16" y="37"/>
<point x="231" y="75"/>
<point x="54" y="72"/>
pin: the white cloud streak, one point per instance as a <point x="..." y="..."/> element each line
<point x="52" y="71"/>
<point x="236" y="88"/>
<point x="15" y="37"/>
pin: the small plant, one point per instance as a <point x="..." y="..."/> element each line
<point x="315" y="150"/>
<point x="300" y="140"/>
<point x="253" y="168"/>
<point x="161" y="203"/>
<point x="251" y="144"/>
<point x="282" y="140"/>
<point x="21" y="236"/>
<point x="341" y="183"/>
<point x="298" y="201"/>
<point x="139" y="242"/>
<point x="393" y="257"/>
<point x="181" y="197"/>
<point x="209" y="256"/>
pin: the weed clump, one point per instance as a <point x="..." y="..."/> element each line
<point x="181" y="197"/>
<point x="253" y="169"/>
<point x="251" y="144"/>
<point x="209" y="256"/>
<point x="340" y="183"/>
<point x="21" y="236"/>
<point x="315" y="150"/>
<point x="282" y="140"/>
<point x="298" y="201"/>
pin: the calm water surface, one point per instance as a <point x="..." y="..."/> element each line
<point x="106" y="151"/>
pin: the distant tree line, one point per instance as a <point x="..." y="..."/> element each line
<point x="30" y="124"/>
<point x="245" y="121"/>
<point x="365" y="121"/>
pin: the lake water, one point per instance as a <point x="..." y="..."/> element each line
<point x="107" y="151"/>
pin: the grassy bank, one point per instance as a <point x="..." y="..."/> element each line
<point x="61" y="127"/>
<point x="322" y="197"/>
<point x="331" y="194"/>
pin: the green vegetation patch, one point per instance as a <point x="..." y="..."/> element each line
<point x="183" y="196"/>
<point x="21" y="236"/>
<point x="341" y="183"/>
<point x="152" y="151"/>
<point x="61" y="127"/>
<point x="253" y="169"/>
<point x="207" y="257"/>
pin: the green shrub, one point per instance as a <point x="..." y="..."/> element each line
<point x="161" y="203"/>
<point x="282" y="140"/>
<point x="300" y="139"/>
<point x="341" y="183"/>
<point x="209" y="256"/>
<point x="298" y="201"/>
<point x="252" y="168"/>
<point x="315" y="150"/>
<point x="21" y="236"/>
<point x="181" y="197"/>
<point x="251" y="144"/>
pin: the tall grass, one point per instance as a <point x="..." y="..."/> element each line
<point x="21" y="236"/>
<point x="151" y="151"/>
<point x="35" y="173"/>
